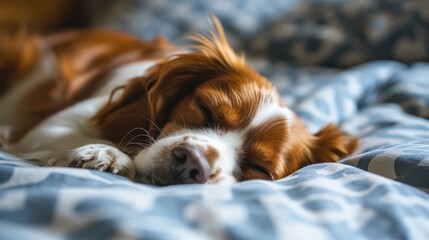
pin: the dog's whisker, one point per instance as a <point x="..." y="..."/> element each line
<point x="140" y="135"/>
<point x="136" y="149"/>
<point x="132" y="130"/>
<point x="160" y="131"/>
<point x="140" y="144"/>
<point x="183" y="120"/>
<point x="126" y="135"/>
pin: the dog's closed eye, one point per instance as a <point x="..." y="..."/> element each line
<point x="257" y="171"/>
<point x="206" y="112"/>
<point x="211" y="99"/>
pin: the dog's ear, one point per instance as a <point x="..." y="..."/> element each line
<point x="147" y="102"/>
<point x="125" y="118"/>
<point x="330" y="144"/>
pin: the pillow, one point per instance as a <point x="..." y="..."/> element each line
<point x="334" y="33"/>
<point x="241" y="19"/>
<point x="344" y="33"/>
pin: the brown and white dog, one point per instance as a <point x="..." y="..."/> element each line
<point x="108" y="101"/>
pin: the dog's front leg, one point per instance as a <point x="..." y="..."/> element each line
<point x="102" y="157"/>
<point x="68" y="139"/>
<point x="81" y="152"/>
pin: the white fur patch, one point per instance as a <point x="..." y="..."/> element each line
<point x="270" y="110"/>
<point x="225" y="144"/>
<point x="103" y="158"/>
<point x="228" y="144"/>
<point x="123" y="74"/>
<point x="70" y="128"/>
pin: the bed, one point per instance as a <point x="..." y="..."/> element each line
<point x="379" y="192"/>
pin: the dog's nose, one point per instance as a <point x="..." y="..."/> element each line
<point x="189" y="164"/>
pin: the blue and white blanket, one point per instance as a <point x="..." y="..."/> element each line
<point x="378" y="193"/>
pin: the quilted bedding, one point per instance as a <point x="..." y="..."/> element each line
<point x="378" y="193"/>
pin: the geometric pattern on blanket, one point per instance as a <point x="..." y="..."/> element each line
<point x="323" y="201"/>
<point x="335" y="33"/>
<point x="385" y="103"/>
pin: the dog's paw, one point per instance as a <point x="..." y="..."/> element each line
<point x="103" y="158"/>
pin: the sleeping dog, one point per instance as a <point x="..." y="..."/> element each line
<point x="107" y="101"/>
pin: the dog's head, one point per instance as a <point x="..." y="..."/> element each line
<point x="207" y="117"/>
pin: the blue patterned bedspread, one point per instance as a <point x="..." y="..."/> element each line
<point x="378" y="193"/>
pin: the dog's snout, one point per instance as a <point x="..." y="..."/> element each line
<point x="189" y="164"/>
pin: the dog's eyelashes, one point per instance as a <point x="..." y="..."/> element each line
<point x="261" y="170"/>
<point x="205" y="110"/>
<point x="156" y="182"/>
